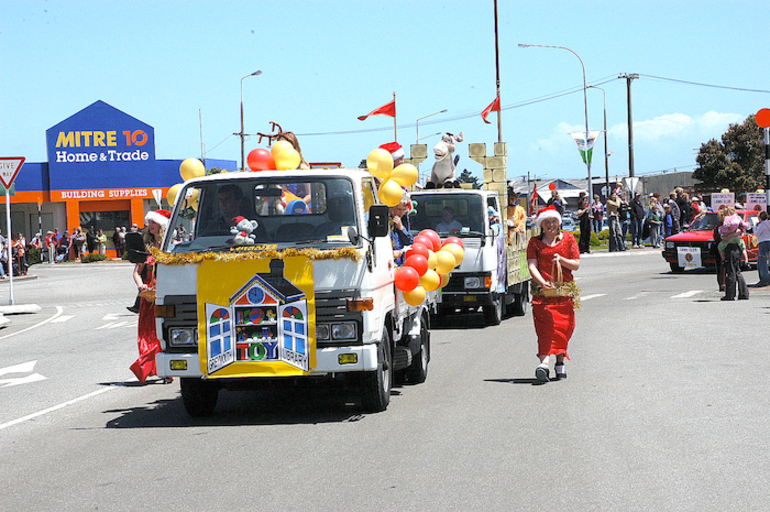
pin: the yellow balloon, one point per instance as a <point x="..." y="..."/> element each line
<point x="191" y="198"/>
<point x="287" y="159"/>
<point x="445" y="262"/>
<point x="415" y="297"/>
<point x="391" y="193"/>
<point x="444" y="280"/>
<point x="191" y="168"/>
<point x="380" y="163"/>
<point x="430" y="280"/>
<point x="457" y="251"/>
<point x="368" y="198"/>
<point x="279" y="146"/>
<point x="405" y="175"/>
<point x="172" y="193"/>
<point x="432" y="260"/>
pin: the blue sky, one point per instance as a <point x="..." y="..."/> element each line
<point x="325" y="63"/>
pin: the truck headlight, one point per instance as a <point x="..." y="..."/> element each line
<point x="472" y="283"/>
<point x="322" y="331"/>
<point x="669" y="245"/>
<point x="183" y="337"/>
<point x="344" y="331"/>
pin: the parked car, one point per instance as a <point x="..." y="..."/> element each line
<point x="695" y="248"/>
<point x="568" y="224"/>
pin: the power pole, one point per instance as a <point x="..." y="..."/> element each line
<point x="629" y="77"/>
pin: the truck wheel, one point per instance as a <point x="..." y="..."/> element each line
<point x="521" y="303"/>
<point x="493" y="314"/>
<point x="199" y="397"/>
<point x="676" y="269"/>
<point x="375" y="386"/>
<point x="418" y="371"/>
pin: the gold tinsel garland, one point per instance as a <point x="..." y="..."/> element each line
<point x="195" y="258"/>
<point x="565" y="289"/>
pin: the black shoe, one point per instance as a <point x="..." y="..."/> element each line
<point x="133" y="309"/>
<point x="727" y="298"/>
<point x="561" y="372"/>
<point x="541" y="374"/>
<point x="743" y="298"/>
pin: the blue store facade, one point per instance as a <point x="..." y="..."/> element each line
<point x="101" y="172"/>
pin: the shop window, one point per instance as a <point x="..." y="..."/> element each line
<point x="106" y="221"/>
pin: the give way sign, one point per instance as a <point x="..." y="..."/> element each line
<point x="9" y="169"/>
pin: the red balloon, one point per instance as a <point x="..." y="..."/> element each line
<point x="407" y="279"/>
<point x="552" y="186"/>
<point x="261" y="159"/>
<point x="453" y="240"/>
<point x="425" y="241"/>
<point x="418" y="249"/>
<point x="433" y="238"/>
<point x="417" y="262"/>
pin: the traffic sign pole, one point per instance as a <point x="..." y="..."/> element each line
<point x="763" y="120"/>
<point x="9" y="169"/>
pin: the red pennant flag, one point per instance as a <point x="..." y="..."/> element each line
<point x="494" y="106"/>
<point x="533" y="202"/>
<point x="389" y="109"/>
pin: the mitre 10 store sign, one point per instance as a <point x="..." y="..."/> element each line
<point x="101" y="147"/>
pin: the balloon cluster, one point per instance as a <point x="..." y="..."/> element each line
<point x="282" y="156"/>
<point x="189" y="169"/>
<point x="380" y="165"/>
<point x="428" y="264"/>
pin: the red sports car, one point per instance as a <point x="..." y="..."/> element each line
<point x="695" y="248"/>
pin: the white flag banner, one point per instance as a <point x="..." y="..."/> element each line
<point x="585" y="146"/>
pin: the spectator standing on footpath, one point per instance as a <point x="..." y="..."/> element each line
<point x="637" y="220"/>
<point x="597" y="212"/>
<point x="49" y="247"/>
<point x="676" y="214"/>
<point x="101" y="241"/>
<point x="584" y="216"/>
<point x="613" y="219"/>
<point x="3" y="256"/>
<point x="762" y="232"/>
<point x="557" y="202"/>
<point x="91" y="243"/>
<point x="63" y="248"/>
<point x="116" y="242"/>
<point x="654" y="218"/>
<point x="685" y="210"/>
<point x="732" y="250"/>
<point x="624" y="213"/>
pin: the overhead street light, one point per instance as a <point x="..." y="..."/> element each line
<point x="585" y="103"/>
<point x="417" y="123"/>
<point x="241" y="133"/>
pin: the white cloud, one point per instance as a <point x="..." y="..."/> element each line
<point x="671" y="127"/>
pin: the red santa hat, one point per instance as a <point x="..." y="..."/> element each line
<point x="548" y="212"/>
<point x="160" y="217"/>
<point x="395" y="150"/>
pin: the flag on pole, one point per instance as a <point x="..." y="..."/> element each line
<point x="586" y="147"/>
<point x="533" y="202"/>
<point x="389" y="109"/>
<point x="493" y="107"/>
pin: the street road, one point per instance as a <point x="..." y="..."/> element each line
<point x="664" y="410"/>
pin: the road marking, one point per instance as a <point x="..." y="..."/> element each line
<point x="114" y="325"/>
<point x="62" y="319"/>
<point x="589" y="297"/>
<point x="110" y="317"/>
<point x="686" y="295"/>
<point x="59" y="311"/>
<point x="27" y="367"/>
<point x="54" y="408"/>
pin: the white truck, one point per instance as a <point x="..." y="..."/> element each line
<point x="493" y="275"/>
<point x="284" y="275"/>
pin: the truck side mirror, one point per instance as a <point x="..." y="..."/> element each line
<point x="378" y="221"/>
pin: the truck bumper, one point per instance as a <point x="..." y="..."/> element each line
<point x="468" y="299"/>
<point x="327" y="361"/>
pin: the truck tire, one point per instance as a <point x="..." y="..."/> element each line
<point x="676" y="269"/>
<point x="493" y="314"/>
<point x="376" y="385"/>
<point x="199" y="397"/>
<point x="418" y="371"/>
<point x="520" y="304"/>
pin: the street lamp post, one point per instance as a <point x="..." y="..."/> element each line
<point x="417" y="123"/>
<point x="606" y="154"/>
<point x="242" y="134"/>
<point x="585" y="103"/>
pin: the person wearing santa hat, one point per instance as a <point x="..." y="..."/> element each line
<point x="396" y="151"/>
<point x="554" y="316"/>
<point x="156" y="223"/>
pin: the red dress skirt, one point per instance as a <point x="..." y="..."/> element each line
<point x="147" y="339"/>
<point x="554" y="316"/>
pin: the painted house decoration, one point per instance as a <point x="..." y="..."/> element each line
<point x="266" y="321"/>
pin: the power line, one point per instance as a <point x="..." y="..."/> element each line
<point x="687" y="82"/>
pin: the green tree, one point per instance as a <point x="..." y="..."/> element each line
<point x="736" y="162"/>
<point x="467" y="177"/>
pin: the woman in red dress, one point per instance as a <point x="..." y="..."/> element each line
<point x="554" y="316"/>
<point x="144" y="276"/>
